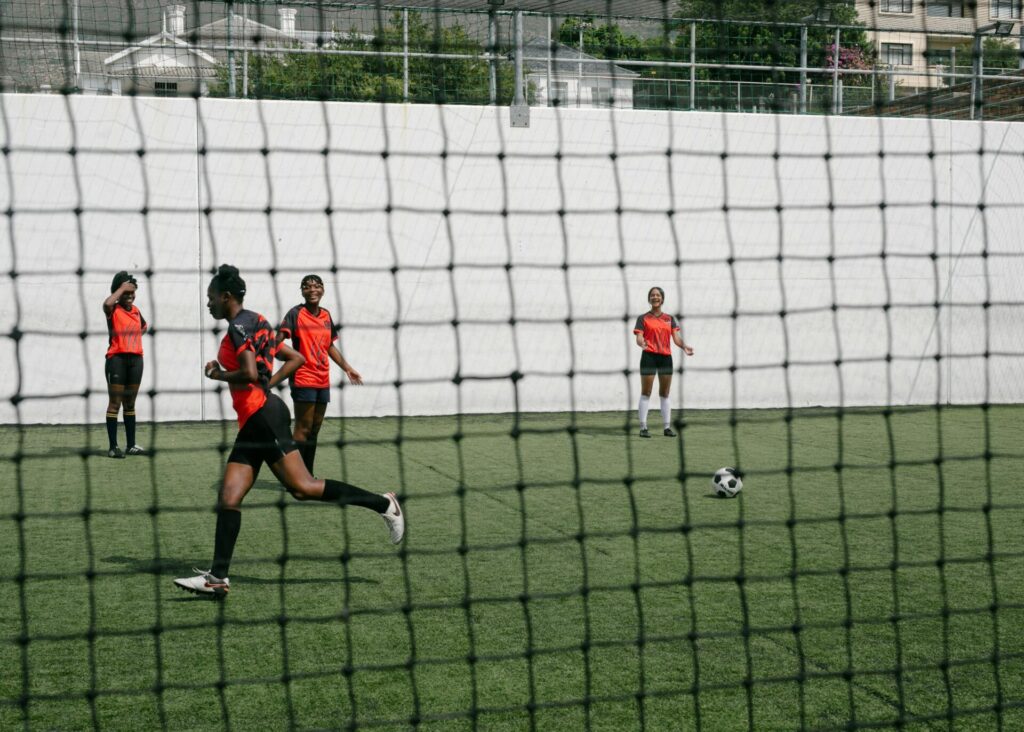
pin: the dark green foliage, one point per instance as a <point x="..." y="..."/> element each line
<point x="773" y="42"/>
<point x="374" y="71"/>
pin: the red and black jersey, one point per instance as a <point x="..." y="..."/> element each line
<point x="312" y="336"/>
<point x="657" y="330"/>
<point x="125" y="327"/>
<point x="248" y="331"/>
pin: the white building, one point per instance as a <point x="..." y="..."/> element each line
<point x="174" y="62"/>
<point x="920" y="37"/>
<point x="562" y="76"/>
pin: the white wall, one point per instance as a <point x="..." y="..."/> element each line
<point x="396" y="267"/>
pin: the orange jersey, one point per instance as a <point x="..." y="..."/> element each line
<point x="124" y="331"/>
<point x="312" y="336"/>
<point x="657" y="330"/>
<point x="249" y="331"/>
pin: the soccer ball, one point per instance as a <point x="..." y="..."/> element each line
<point x="726" y="482"/>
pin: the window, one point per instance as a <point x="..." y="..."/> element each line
<point x="1005" y="9"/>
<point x="165" y="88"/>
<point x="601" y="95"/>
<point x="897" y="6"/>
<point x="898" y="54"/>
<point x="939" y="56"/>
<point x="945" y="8"/>
<point x="559" y="93"/>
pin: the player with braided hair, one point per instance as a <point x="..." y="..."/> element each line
<point x="123" y="367"/>
<point x="312" y="332"/>
<point x="246" y="361"/>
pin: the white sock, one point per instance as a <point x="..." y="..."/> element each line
<point x="645" y="404"/>
<point x="666" y="412"/>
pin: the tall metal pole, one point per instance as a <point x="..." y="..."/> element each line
<point x="579" y="72"/>
<point x="835" y="76"/>
<point x="549" y="61"/>
<point x="519" y="113"/>
<point x="693" y="66"/>
<point x="405" y="54"/>
<point x="245" y="50"/>
<point x="518" y="99"/>
<point x="803" y="69"/>
<point x="231" y="56"/>
<point x="976" y="92"/>
<point x="78" y="57"/>
<point x="492" y="49"/>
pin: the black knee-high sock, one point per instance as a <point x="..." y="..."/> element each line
<point x="129" y="428"/>
<point x="308" y="451"/>
<point x="344" y="494"/>
<point x="112" y="429"/>
<point x="228" y="524"/>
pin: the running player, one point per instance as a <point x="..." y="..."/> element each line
<point x="245" y="362"/>
<point x="123" y="368"/>
<point x="313" y="333"/>
<point x="655" y="333"/>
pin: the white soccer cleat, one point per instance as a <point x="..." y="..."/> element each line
<point x="204" y="583"/>
<point x="394" y="518"/>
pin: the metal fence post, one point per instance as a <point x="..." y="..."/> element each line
<point x="976" y="77"/>
<point x="405" y="54"/>
<point x="803" y="69"/>
<point x="835" y="75"/>
<point x="231" y="54"/>
<point x="492" y="43"/>
<point x="519" y="115"/>
<point x="693" y="66"/>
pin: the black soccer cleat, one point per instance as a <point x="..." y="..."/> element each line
<point x="644" y="432"/>
<point x="669" y="432"/>
<point x="115" y="452"/>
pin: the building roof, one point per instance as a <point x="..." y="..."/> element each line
<point x="658" y="9"/>
<point x="565" y="60"/>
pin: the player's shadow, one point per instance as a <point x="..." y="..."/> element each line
<point x="169" y="566"/>
<point x="57" y="451"/>
<point x="259" y="485"/>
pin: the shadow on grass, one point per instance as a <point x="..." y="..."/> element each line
<point x="181" y="567"/>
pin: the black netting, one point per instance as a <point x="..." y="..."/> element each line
<point x="849" y="286"/>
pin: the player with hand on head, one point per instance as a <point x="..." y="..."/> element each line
<point x="123" y="367"/>
<point x="245" y="361"/>
<point x="655" y="332"/>
<point x="313" y="334"/>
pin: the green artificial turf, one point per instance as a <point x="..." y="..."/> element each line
<point x="557" y="573"/>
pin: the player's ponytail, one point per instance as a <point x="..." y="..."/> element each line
<point x="227" y="279"/>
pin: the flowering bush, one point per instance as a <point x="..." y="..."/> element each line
<point x="849" y="58"/>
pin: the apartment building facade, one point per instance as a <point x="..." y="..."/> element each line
<point x="928" y="42"/>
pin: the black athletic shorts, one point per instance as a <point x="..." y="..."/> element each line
<point x="124" y="369"/>
<point x="311" y="395"/>
<point x="266" y="436"/>
<point x="655" y="363"/>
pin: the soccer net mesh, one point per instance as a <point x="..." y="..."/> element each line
<point x="850" y="285"/>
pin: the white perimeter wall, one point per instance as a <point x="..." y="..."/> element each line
<point x="395" y="267"/>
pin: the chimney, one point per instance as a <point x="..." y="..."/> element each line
<point x="287" y="16"/>
<point x="176" y="19"/>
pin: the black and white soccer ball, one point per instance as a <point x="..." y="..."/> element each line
<point x="726" y="482"/>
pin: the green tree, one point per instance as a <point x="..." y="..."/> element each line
<point x="375" y="74"/>
<point x="723" y="38"/>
